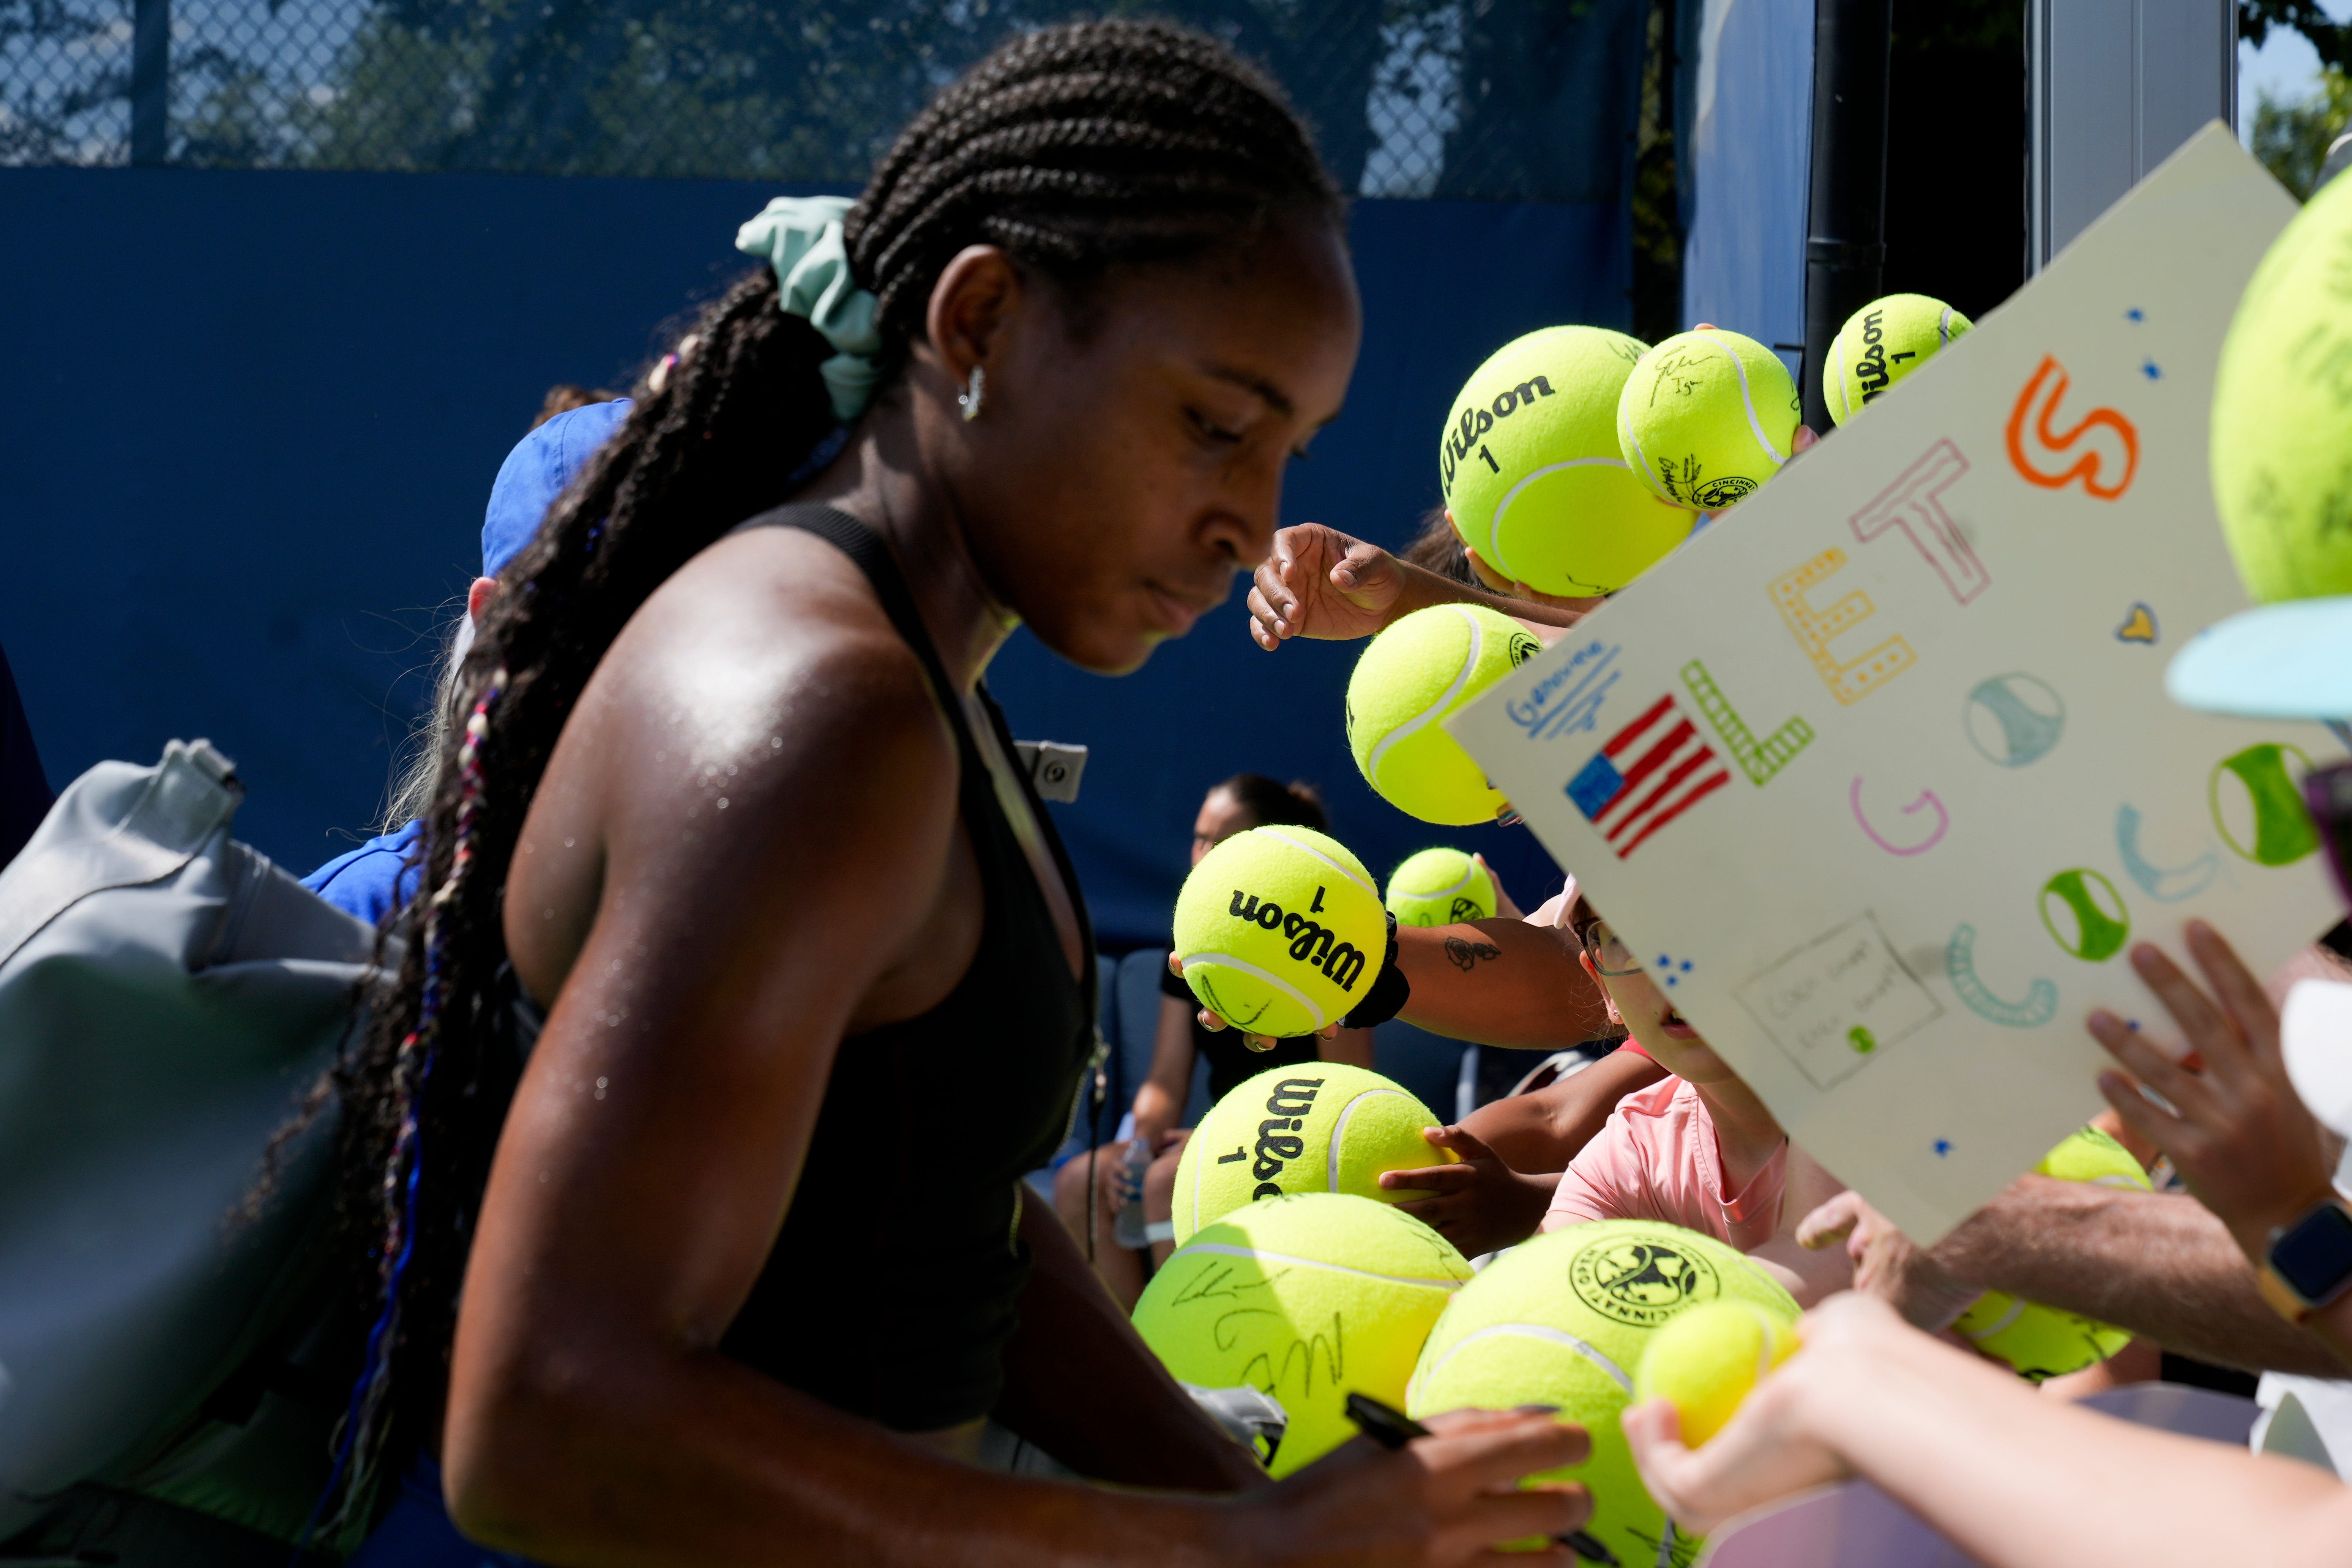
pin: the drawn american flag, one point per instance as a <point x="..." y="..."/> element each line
<point x="1648" y="774"/>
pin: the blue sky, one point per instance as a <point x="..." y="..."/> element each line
<point x="2284" y="67"/>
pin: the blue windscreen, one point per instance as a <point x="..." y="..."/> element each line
<point x="256" y="415"/>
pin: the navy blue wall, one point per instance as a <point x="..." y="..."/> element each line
<point x="250" y="419"/>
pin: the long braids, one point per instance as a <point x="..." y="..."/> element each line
<point x="1078" y="150"/>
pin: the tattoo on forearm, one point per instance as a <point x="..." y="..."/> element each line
<point x="1467" y="954"/>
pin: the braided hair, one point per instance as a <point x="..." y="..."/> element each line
<point x="1078" y="150"/>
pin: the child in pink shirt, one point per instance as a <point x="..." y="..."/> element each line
<point x="1697" y="1149"/>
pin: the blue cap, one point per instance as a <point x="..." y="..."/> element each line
<point x="536" y="471"/>
<point x="2292" y="659"/>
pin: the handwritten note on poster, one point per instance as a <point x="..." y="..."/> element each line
<point x="1883" y="756"/>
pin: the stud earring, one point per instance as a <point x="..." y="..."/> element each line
<point x="974" y="390"/>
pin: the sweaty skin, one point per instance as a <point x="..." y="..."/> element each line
<point x="747" y="847"/>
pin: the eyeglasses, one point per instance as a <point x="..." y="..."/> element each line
<point x="1608" y="952"/>
<point x="2327" y="796"/>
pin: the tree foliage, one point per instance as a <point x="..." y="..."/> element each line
<point x="2330" y="39"/>
<point x="2292" y="139"/>
<point x="1513" y="99"/>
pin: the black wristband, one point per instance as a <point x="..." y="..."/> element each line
<point x="1389" y="994"/>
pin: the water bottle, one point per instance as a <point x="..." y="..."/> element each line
<point x="1128" y="1228"/>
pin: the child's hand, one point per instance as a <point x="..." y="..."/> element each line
<point x="1480" y="1205"/>
<point x="1319" y="582"/>
<point x="2236" y="1131"/>
<point x="1772" y="1448"/>
<point x="1885" y="1263"/>
<point x="1504" y="907"/>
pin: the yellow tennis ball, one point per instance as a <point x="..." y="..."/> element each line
<point x="2090" y="1155"/>
<point x="1706" y="1361"/>
<point x="1880" y="345"/>
<point x="1706" y="416"/>
<point x="2042" y="1341"/>
<point x="2281" y="426"/>
<point x="1280" y="930"/>
<point x="1564" y="1319"/>
<point x="1530" y="470"/>
<point x="1440" y="887"/>
<point x="1307" y="1298"/>
<point x="1323" y="1127"/>
<point x="1426" y="667"/>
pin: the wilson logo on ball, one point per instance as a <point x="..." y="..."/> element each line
<point x="1278" y="1143"/>
<point x="1870" y="365"/>
<point x="1477" y="422"/>
<point x="1311" y="942"/>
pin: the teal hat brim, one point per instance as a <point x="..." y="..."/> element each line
<point x="2287" y="660"/>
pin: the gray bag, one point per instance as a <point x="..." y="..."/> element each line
<point x="166" y="997"/>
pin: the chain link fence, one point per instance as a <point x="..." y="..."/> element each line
<point x="1512" y="99"/>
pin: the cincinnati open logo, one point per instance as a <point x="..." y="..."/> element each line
<point x="1641" y="1282"/>
<point x="1719" y="493"/>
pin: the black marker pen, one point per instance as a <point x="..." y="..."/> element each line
<point x="1392" y="1428"/>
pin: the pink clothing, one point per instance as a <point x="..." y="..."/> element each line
<point x="1656" y="1159"/>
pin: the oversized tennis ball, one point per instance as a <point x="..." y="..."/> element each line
<point x="1706" y="1360"/>
<point x="1564" y="1319"/>
<point x="1530" y="470"/>
<point x="1424" y="668"/>
<point x="1324" y="1127"/>
<point x="1440" y="887"/>
<point x="1706" y="416"/>
<point x="1280" y="929"/>
<point x="2044" y="1342"/>
<point x="1880" y="345"/>
<point x="1307" y="1298"/>
<point x="2281" y="426"/>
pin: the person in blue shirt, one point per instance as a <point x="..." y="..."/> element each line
<point x="380" y="876"/>
<point x="375" y="879"/>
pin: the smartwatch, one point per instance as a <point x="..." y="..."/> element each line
<point x="2308" y="1261"/>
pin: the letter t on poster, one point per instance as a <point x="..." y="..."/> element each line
<point x="1883" y="786"/>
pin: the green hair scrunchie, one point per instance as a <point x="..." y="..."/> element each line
<point x="802" y="238"/>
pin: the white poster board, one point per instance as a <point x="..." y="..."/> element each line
<point x="1877" y="773"/>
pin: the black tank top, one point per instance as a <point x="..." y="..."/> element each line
<point x="1231" y="1061"/>
<point x="892" y="1288"/>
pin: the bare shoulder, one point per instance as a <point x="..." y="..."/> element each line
<point x="760" y="712"/>
<point x="768" y="666"/>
